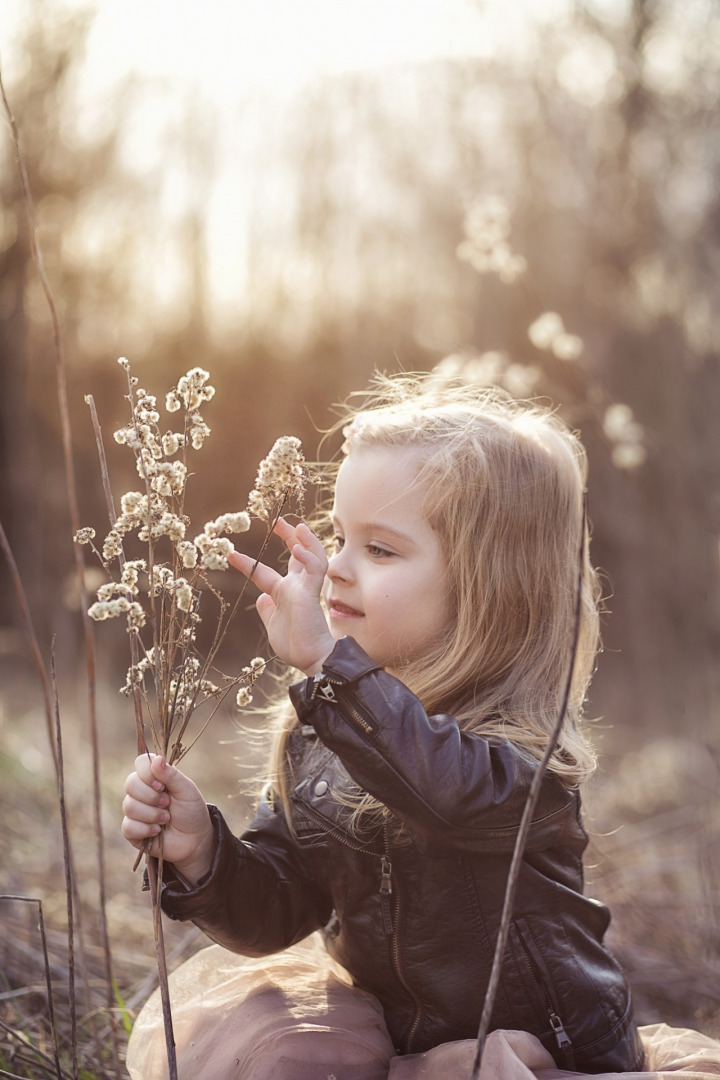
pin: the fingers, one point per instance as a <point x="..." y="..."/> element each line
<point x="306" y="539"/>
<point x="266" y="607"/>
<point x="306" y="553"/>
<point x="310" y="554"/>
<point x="154" y="771"/>
<point x="142" y="820"/>
<point x="146" y="802"/>
<point x="263" y="576"/>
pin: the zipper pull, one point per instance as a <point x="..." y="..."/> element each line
<point x="386" y="893"/>
<point x="323" y="687"/>
<point x="561" y="1036"/>
<point x="385" y="876"/>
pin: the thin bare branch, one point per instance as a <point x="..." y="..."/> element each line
<point x="526" y="822"/>
<point x="154" y="868"/>
<point x="68" y="870"/>
<point x="71" y="486"/>
<point x="48" y="980"/>
<point x="112" y="516"/>
<point x="32" y="640"/>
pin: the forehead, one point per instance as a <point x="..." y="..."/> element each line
<point x="381" y="481"/>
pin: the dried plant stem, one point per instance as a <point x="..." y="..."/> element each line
<point x="68" y="871"/>
<point x="48" y="980"/>
<point x="154" y="867"/>
<point x="71" y="486"/>
<point x="112" y="516"/>
<point x="154" y="876"/>
<point x="526" y="822"/>
<point x="31" y="639"/>
<point x="47" y="696"/>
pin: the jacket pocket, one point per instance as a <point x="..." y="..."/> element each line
<point x="541" y="991"/>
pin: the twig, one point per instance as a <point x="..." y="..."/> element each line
<point x="112" y="516"/>
<point x="48" y="980"/>
<point x="79" y="559"/>
<point x="42" y="675"/>
<point x="68" y="871"/>
<point x="32" y="640"/>
<point x="154" y="868"/>
<point x="142" y="748"/>
<point x="526" y="822"/>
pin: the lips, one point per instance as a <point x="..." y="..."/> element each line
<point x="338" y="610"/>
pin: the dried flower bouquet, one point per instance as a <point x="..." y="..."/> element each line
<point x="160" y="595"/>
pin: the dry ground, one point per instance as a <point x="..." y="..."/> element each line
<point x="655" y="858"/>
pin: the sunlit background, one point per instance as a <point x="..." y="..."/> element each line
<point x="295" y="194"/>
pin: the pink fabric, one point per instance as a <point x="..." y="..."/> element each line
<point x="295" y="1016"/>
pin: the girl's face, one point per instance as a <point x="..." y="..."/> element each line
<point x="387" y="581"/>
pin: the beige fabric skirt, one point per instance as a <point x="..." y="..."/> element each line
<point x="296" y="1016"/>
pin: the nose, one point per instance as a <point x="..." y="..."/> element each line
<point x="339" y="566"/>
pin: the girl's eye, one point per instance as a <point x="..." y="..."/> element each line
<point x="337" y="542"/>
<point x="378" y="552"/>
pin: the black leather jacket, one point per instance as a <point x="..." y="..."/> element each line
<point x="414" y="917"/>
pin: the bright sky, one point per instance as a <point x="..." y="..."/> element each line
<point x="218" y="50"/>
<point x="228" y="43"/>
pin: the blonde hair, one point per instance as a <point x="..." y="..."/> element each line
<point x="502" y="483"/>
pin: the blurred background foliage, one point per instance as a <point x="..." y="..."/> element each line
<point x="395" y="218"/>
<point x="375" y="218"/>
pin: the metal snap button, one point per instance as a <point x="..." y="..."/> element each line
<point x="321" y="787"/>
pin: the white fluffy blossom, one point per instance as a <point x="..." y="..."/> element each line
<point x="280" y="475"/>
<point x="111" y="609"/>
<point x="187" y="553"/>
<point x="192" y="389"/>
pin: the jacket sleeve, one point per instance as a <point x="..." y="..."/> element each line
<point x="448" y="786"/>
<point x="257" y="898"/>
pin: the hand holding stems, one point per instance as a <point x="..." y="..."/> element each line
<point x="289" y="605"/>
<point x="158" y="797"/>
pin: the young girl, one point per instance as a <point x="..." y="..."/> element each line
<point x="435" y="645"/>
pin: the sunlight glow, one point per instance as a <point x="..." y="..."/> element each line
<point x="227" y="44"/>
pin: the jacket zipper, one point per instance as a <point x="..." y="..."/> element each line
<point x="328" y="689"/>
<point x="386" y="889"/>
<point x="390" y="908"/>
<point x="563" y="1040"/>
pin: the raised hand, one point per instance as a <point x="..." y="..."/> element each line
<point x="158" y="795"/>
<point x="289" y="605"/>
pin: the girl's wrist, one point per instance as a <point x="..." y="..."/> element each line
<point x="314" y="666"/>
<point x="196" y="867"/>
<point x="192" y="871"/>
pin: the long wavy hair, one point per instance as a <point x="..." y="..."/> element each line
<point x="502" y="484"/>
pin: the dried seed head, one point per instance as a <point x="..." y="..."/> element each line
<point x="183" y="594"/>
<point x="280" y="475"/>
<point x="172" y="441"/>
<point x="111" y="609"/>
<point x="199" y="431"/>
<point x="228" y="523"/>
<point x="191" y="391"/>
<point x="188" y="554"/>
<point x="84" y="535"/>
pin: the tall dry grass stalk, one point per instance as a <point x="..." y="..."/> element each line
<point x="71" y="488"/>
<point x="15" y="1035"/>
